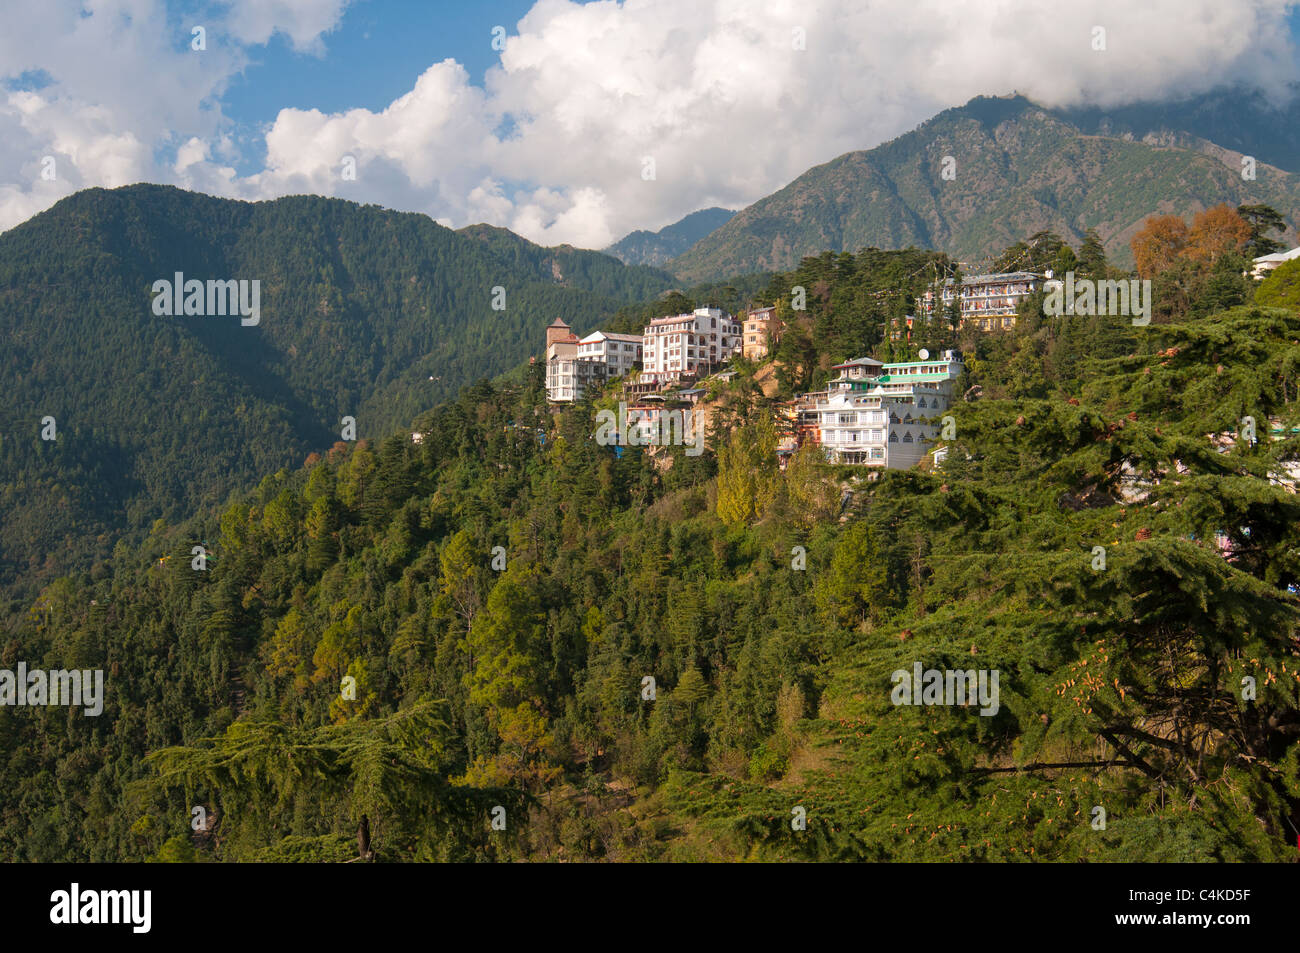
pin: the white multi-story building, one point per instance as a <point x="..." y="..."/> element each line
<point x="689" y="344"/>
<point x="885" y="415"/>
<point x="567" y="376"/>
<point x="573" y="364"/>
<point x="620" y="353"/>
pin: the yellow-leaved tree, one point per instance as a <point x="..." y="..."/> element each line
<point x="747" y="472"/>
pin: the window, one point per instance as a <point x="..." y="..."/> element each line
<point x="893" y="437"/>
<point x="907" y="437"/>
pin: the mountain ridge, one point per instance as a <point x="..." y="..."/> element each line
<point x="974" y="179"/>
<point x="642" y="247"/>
<point x="366" y="313"/>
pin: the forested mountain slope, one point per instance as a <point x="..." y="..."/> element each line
<point x="976" y="178"/>
<point x="516" y="677"/>
<point x="655" y="248"/>
<point x="365" y="312"/>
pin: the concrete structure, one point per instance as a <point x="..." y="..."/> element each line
<point x="559" y="332"/>
<point x="885" y="415"/>
<point x="687" y="345"/>
<point x="568" y="376"/>
<point x="573" y="365"/>
<point x="988" y="302"/>
<point x="619" y="352"/>
<point x="1266" y="263"/>
<point x="759" y="323"/>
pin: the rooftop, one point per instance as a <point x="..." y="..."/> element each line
<point x="1279" y="256"/>
<point x="858" y="362"/>
<point x="609" y="336"/>
<point x="997" y="277"/>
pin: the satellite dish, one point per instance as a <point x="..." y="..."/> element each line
<point x="925" y="355"/>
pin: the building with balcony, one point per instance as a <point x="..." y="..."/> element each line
<point x="620" y="353"/>
<point x="885" y="415"/>
<point x="689" y="345"/>
<point x="987" y="302"/>
<point x="567" y="375"/>
<point x="572" y="365"/>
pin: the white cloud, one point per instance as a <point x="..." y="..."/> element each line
<point x="714" y="90"/>
<point x="303" y="21"/>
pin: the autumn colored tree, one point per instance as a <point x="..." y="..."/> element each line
<point x="1158" y="244"/>
<point x="1215" y="232"/>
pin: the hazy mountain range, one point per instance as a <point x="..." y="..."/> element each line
<point x="655" y="248"/>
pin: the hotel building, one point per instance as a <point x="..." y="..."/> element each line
<point x="885" y="415"/>
<point x="689" y="345"/>
<point x="988" y="302"/>
<point x="572" y="365"/>
<point x="758" y="323"/>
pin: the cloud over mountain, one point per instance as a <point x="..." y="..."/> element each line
<point x="729" y="99"/>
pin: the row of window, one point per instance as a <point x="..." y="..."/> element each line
<point x="611" y="346"/>
<point x="868" y="417"/>
<point x="868" y="436"/>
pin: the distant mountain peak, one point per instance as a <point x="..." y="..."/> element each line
<point x="1017" y="167"/>
<point x="654" y="248"/>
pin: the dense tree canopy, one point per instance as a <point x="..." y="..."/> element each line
<point x="650" y="655"/>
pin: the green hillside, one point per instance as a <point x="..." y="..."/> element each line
<point x="655" y="248"/>
<point x="1019" y="169"/>
<point x="359" y="647"/>
<point x="365" y="312"/>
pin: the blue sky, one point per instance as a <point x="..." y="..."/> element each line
<point x="374" y="56"/>
<point x="599" y="118"/>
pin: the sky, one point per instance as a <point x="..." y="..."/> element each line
<point x="563" y="121"/>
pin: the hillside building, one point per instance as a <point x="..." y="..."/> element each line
<point x="572" y="365"/>
<point x="567" y="376"/>
<point x="689" y="345"/>
<point x="885" y="415"/>
<point x="760" y="323"/>
<point x="1266" y="263"/>
<point x="988" y="302"/>
<point x="620" y="353"/>
<point x="560" y="332"/>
